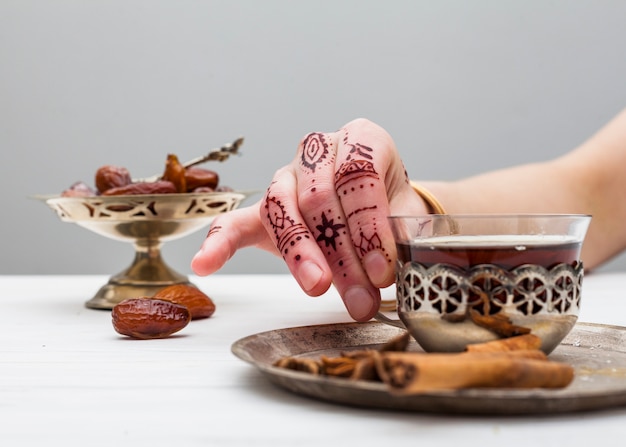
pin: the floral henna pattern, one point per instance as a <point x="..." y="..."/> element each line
<point x="315" y="151"/>
<point x="329" y="231"/>
<point x="330" y="234"/>
<point x="369" y="242"/>
<point x="286" y="230"/>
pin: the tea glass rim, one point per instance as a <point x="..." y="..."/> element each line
<point x="505" y="223"/>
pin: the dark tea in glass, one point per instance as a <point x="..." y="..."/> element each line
<point x="504" y="251"/>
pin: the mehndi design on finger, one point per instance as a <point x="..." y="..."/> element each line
<point x="369" y="242"/>
<point x="358" y="210"/>
<point x="214" y="230"/>
<point x="315" y="149"/>
<point x="340" y="263"/>
<point x="361" y="150"/>
<point x="329" y="231"/>
<point x="356" y="173"/>
<point x="286" y="230"/>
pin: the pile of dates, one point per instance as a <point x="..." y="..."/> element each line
<point x="162" y="315"/>
<point x="176" y="178"/>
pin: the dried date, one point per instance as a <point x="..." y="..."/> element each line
<point x="198" y="303"/>
<point x="158" y="187"/>
<point x="109" y="176"/>
<point x="201" y="178"/>
<point x="202" y="189"/>
<point x="175" y="172"/>
<point x="79" y="189"/>
<point x="149" y="318"/>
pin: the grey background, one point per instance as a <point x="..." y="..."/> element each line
<point x="462" y="86"/>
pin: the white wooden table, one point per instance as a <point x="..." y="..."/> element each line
<point x="68" y="379"/>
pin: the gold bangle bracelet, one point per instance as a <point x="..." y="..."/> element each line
<point x="435" y="206"/>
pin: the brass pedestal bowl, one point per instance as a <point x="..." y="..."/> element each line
<point x="146" y="221"/>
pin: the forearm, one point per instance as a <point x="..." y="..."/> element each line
<point x="511" y="190"/>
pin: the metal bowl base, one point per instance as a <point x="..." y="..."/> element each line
<point x="147" y="274"/>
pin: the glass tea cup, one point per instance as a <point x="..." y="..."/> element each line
<point x="464" y="279"/>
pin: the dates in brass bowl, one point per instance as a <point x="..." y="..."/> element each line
<point x="146" y="221"/>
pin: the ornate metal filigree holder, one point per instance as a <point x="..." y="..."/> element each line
<point x="475" y="304"/>
<point x="147" y="221"/>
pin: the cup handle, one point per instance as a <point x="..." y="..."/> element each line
<point x="382" y="318"/>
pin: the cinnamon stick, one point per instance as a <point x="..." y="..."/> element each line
<point x="408" y="373"/>
<point x="526" y="341"/>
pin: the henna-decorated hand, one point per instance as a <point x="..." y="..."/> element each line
<point x="326" y="215"/>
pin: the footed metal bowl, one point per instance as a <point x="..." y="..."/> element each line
<point x="146" y="221"/>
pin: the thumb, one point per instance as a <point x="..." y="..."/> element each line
<point x="228" y="233"/>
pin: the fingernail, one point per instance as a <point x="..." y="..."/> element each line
<point x="309" y="274"/>
<point x="359" y="303"/>
<point x="377" y="267"/>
